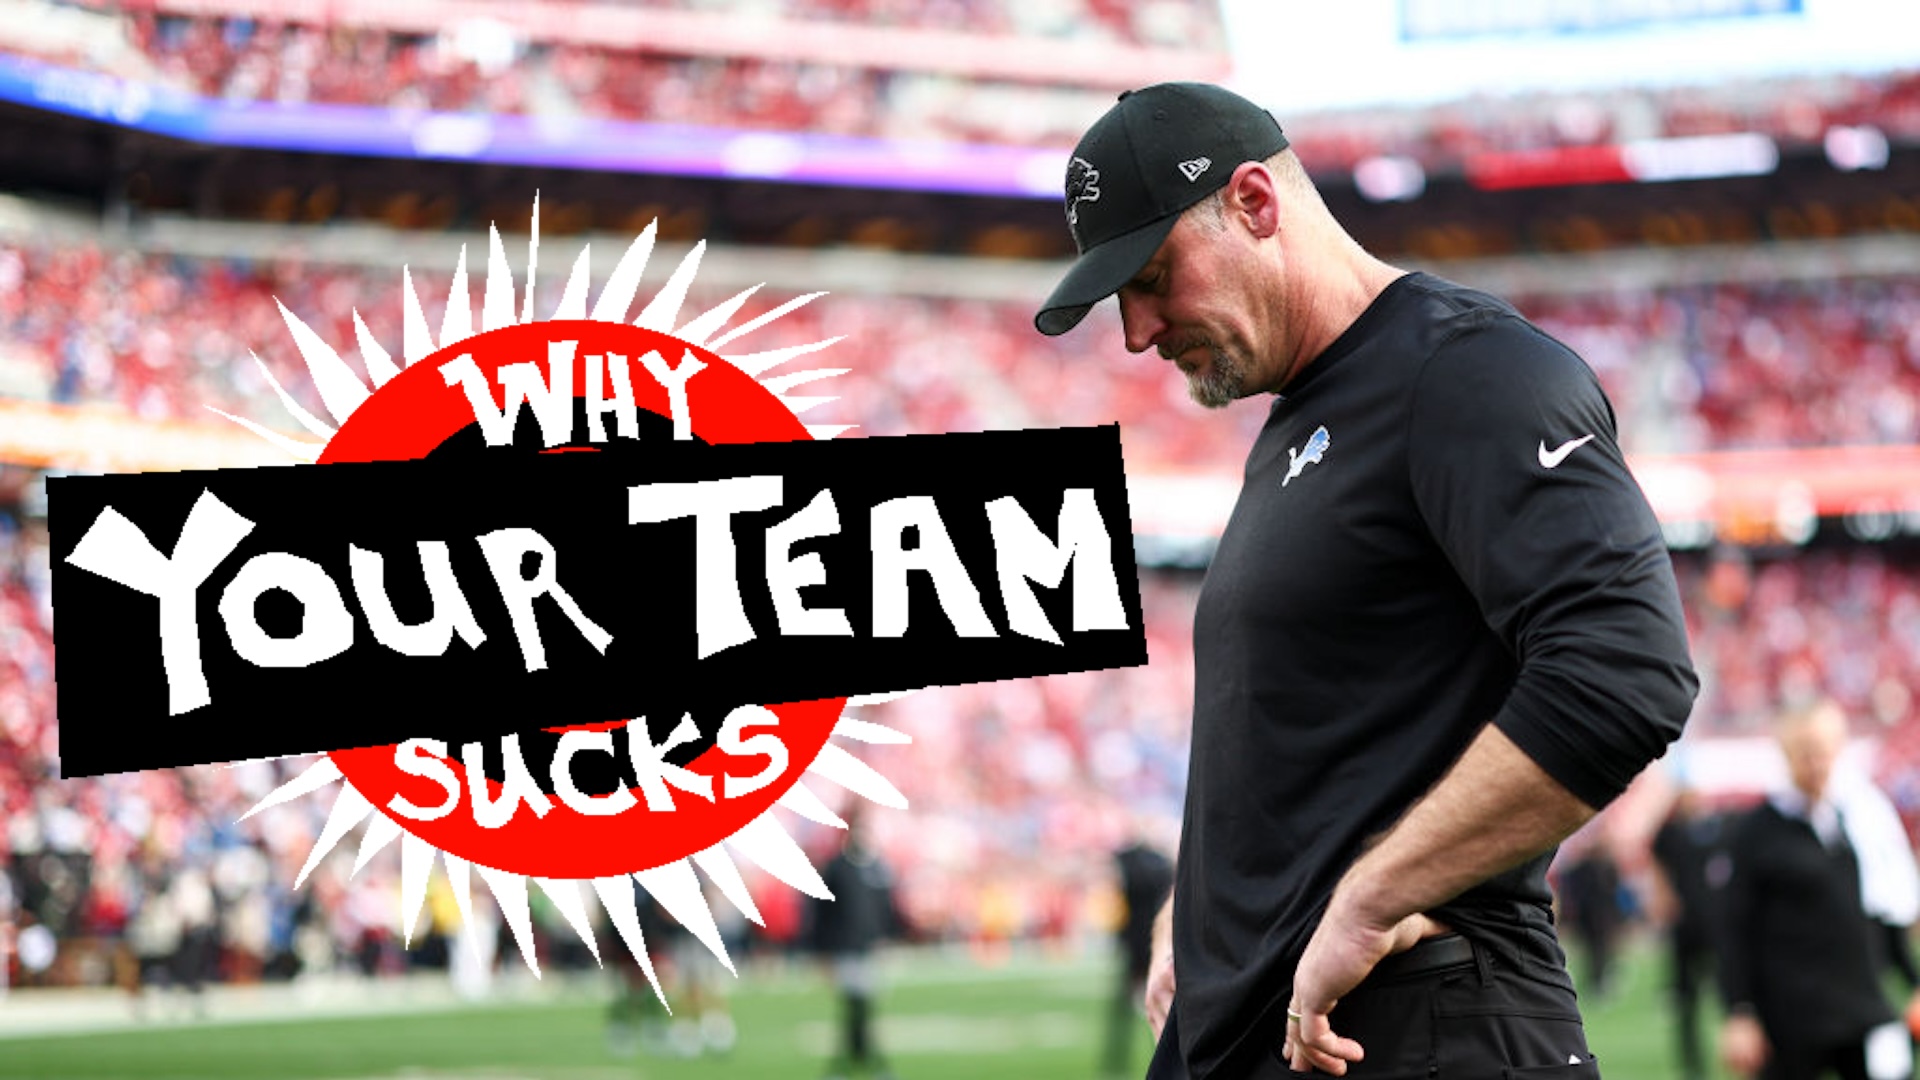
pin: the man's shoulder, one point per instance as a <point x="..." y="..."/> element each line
<point x="1755" y="828"/>
<point x="1459" y="324"/>
<point x="1463" y="303"/>
<point x="1480" y="356"/>
<point x="1421" y="320"/>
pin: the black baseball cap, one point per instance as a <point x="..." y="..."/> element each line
<point x="1157" y="152"/>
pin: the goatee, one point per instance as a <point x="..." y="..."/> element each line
<point x="1222" y="383"/>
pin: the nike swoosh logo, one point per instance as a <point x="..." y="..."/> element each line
<point x="1552" y="458"/>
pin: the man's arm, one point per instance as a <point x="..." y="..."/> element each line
<point x="1160" y="971"/>
<point x="1494" y="810"/>
<point x="1566" y="562"/>
<point x="1743" y="1042"/>
<point x="1664" y="905"/>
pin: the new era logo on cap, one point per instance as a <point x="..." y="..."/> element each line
<point x="1149" y="158"/>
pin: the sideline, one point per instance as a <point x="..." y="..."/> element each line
<point x="33" y="1013"/>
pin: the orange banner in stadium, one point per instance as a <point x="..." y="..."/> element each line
<point x="1765" y="485"/>
<point x="1732" y="489"/>
<point x="95" y="438"/>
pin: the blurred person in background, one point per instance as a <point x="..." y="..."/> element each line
<point x="1590" y="906"/>
<point x="1417" y="671"/>
<point x="153" y="929"/>
<point x="7" y="930"/>
<point x="1800" y="958"/>
<point x="1889" y="879"/>
<point x="639" y="1018"/>
<point x="844" y="932"/>
<point x="703" y="1020"/>
<point x="1146" y="878"/>
<point x="689" y="1016"/>
<point x="470" y="960"/>
<point x="196" y="959"/>
<point x="1690" y="867"/>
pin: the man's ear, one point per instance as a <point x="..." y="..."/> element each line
<point x="1253" y="198"/>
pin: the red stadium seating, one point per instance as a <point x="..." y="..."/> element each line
<point x="249" y="59"/>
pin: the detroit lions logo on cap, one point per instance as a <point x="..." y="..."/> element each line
<point x="1083" y="182"/>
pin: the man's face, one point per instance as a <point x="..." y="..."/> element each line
<point x="1184" y="304"/>
<point x="1812" y="746"/>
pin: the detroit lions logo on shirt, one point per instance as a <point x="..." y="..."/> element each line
<point x="1083" y="182"/>
<point x="1312" y="453"/>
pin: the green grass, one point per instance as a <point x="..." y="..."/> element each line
<point x="939" y="1019"/>
<point x="1631" y="1029"/>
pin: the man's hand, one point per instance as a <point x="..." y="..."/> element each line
<point x="1663" y="903"/>
<point x="1495" y="809"/>
<point x="1743" y="1045"/>
<point x="1160" y="972"/>
<point x="1344" y="949"/>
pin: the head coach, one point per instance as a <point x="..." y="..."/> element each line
<point x="1439" y="632"/>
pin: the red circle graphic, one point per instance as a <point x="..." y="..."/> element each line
<point x="413" y="414"/>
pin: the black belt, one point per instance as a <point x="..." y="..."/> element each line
<point x="1430" y="955"/>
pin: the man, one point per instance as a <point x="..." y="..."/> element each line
<point x="1692" y="866"/>
<point x="1589" y="889"/>
<point x="1439" y="631"/>
<point x="1146" y="876"/>
<point x="1889" y="878"/>
<point x="1801" y="959"/>
<point x="845" y="931"/>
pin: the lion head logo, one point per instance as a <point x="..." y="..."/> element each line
<point x="1083" y="182"/>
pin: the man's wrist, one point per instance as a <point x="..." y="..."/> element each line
<point x="1356" y="902"/>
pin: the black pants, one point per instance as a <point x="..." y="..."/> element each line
<point x="1483" y="1019"/>
<point x="1692" y="963"/>
<point x="1847" y="1061"/>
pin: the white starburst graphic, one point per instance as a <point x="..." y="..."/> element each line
<point x="763" y="842"/>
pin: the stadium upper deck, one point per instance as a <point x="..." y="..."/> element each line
<point x="920" y="82"/>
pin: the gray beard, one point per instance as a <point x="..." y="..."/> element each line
<point x="1222" y="383"/>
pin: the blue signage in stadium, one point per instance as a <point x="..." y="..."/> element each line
<point x="1429" y="20"/>
<point x="506" y="139"/>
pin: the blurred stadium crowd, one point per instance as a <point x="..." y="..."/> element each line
<point x="486" y="68"/>
<point x="483" y="67"/>
<point x="1688" y="367"/>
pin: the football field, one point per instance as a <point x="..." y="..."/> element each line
<point x="941" y="1016"/>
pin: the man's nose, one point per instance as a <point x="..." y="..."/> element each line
<point x="1140" y="324"/>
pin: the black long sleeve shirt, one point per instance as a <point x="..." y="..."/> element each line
<point x="1436" y="530"/>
